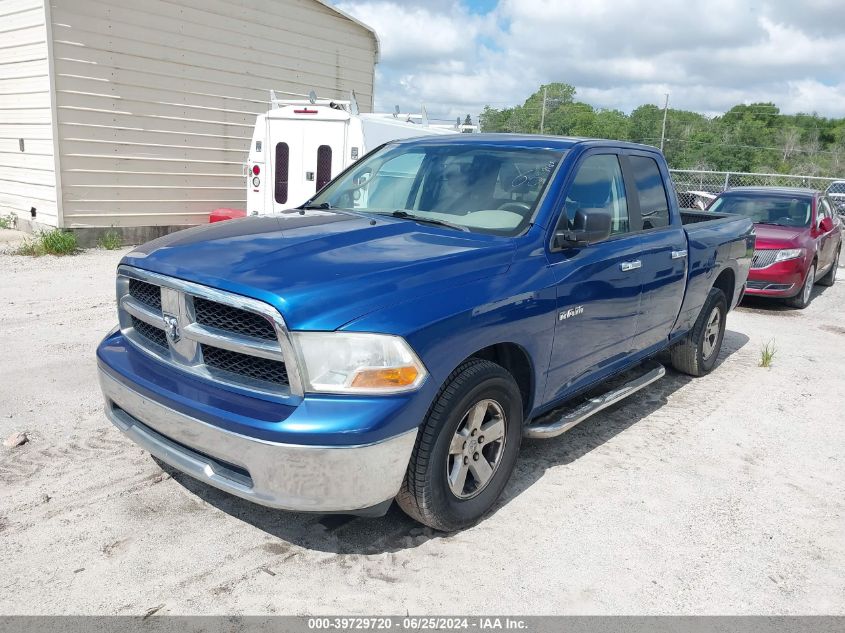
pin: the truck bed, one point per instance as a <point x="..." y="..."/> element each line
<point x="694" y="216"/>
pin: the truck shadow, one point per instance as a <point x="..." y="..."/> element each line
<point x="351" y="536"/>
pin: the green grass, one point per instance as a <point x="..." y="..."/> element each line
<point x="767" y="354"/>
<point x="7" y="221"/>
<point x="110" y="240"/>
<point x="55" y="242"/>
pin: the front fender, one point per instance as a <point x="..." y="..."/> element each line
<point x="444" y="329"/>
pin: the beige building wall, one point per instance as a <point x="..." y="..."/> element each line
<point x="155" y="100"/>
<point x="27" y="163"/>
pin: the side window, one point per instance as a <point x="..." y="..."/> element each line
<point x="651" y="191"/>
<point x="598" y="185"/>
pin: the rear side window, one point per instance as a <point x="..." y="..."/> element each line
<point x="598" y="185"/>
<point x="324" y="166"/>
<point x="282" y="168"/>
<point x="654" y="205"/>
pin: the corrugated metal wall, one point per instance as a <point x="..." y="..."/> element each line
<point x="27" y="178"/>
<point x="156" y="100"/>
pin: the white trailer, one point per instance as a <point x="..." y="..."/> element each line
<point x="299" y="146"/>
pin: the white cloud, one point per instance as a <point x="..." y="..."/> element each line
<point x="618" y="53"/>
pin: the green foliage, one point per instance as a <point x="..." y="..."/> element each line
<point x="767" y="354"/>
<point x="110" y="240"/>
<point x="752" y="138"/>
<point x="55" y="242"/>
<point x="7" y="221"/>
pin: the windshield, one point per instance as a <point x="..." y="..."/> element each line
<point x="480" y="188"/>
<point x="780" y="210"/>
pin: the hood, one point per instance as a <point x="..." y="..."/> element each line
<point x="324" y="269"/>
<point x="771" y="236"/>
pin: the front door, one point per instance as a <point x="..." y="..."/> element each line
<point x="827" y="240"/>
<point x="598" y="286"/>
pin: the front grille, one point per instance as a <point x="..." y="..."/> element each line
<point x="235" y="320"/>
<point x="765" y="285"/>
<point x="150" y="332"/>
<point x="238" y="343"/>
<point x="148" y="294"/>
<point x="253" y="367"/>
<point x="763" y="258"/>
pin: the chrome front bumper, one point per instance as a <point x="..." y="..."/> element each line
<point x="284" y="476"/>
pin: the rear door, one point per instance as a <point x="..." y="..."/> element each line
<point x="598" y="286"/>
<point x="285" y="162"/>
<point x="664" y="248"/>
<point x="323" y="149"/>
<point x="307" y="153"/>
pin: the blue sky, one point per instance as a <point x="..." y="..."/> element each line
<point x="455" y="57"/>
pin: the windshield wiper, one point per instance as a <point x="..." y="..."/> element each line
<point x="418" y="218"/>
<point x="322" y="205"/>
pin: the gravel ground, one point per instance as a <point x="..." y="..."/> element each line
<point x="722" y="495"/>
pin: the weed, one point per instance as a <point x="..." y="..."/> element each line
<point x="767" y="354"/>
<point x="110" y="240"/>
<point x="55" y="242"/>
<point x="8" y="221"/>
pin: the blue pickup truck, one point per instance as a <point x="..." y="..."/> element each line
<point x="398" y="335"/>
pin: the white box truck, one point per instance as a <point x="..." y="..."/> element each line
<point x="299" y="146"/>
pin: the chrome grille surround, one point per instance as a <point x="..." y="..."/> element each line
<point x="764" y="257"/>
<point x="185" y="351"/>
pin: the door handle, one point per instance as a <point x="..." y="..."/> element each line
<point x="627" y="266"/>
<point x="679" y="254"/>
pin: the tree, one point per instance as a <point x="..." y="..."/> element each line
<point x="748" y="137"/>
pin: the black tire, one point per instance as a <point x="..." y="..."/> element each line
<point x="805" y="295"/>
<point x="697" y="352"/>
<point x="426" y="494"/>
<point x="830" y="278"/>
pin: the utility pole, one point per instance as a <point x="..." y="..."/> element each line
<point x="543" y="113"/>
<point x="663" y="131"/>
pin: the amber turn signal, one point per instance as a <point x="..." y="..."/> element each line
<point x="385" y="377"/>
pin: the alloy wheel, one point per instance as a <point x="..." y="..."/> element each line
<point x="711" y="333"/>
<point x="476" y="449"/>
<point x="808" y="286"/>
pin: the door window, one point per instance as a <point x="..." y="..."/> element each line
<point x="282" y="169"/>
<point x="598" y="186"/>
<point x="654" y="205"/>
<point x="324" y="166"/>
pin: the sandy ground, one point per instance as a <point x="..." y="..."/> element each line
<point x="722" y="495"/>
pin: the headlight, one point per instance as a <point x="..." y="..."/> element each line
<point x="789" y="253"/>
<point x="347" y="362"/>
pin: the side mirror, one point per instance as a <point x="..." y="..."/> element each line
<point x="826" y="225"/>
<point x="591" y="226"/>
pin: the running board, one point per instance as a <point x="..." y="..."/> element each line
<point x="559" y="421"/>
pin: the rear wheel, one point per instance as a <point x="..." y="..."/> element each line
<point x="802" y="299"/>
<point x="696" y="354"/>
<point x="830" y="278"/>
<point x="466" y="448"/>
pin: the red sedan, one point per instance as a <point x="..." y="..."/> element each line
<point x="799" y="239"/>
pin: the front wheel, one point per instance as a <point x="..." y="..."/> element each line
<point x="696" y="354"/>
<point x="802" y="299"/>
<point x="466" y="448"/>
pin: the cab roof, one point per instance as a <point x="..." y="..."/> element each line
<point x="524" y="140"/>
<point x="775" y="191"/>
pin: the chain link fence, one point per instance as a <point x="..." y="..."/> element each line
<point x="696" y="188"/>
